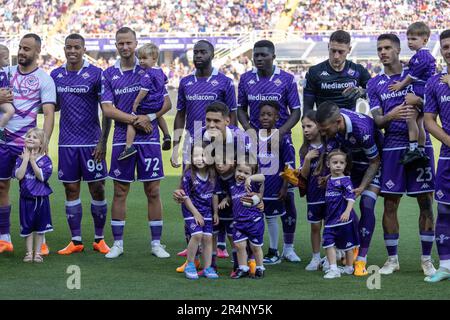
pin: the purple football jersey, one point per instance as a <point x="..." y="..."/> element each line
<point x="314" y="193"/>
<point x="242" y="213"/>
<point x="280" y="87"/>
<point x="437" y="100"/>
<point x="338" y="193"/>
<point x="222" y="190"/>
<point x="154" y="82"/>
<point x="200" y="190"/>
<point x="421" y="67"/>
<point x="271" y="162"/>
<point x="4" y="83"/>
<point x="121" y="89"/>
<point x="78" y="96"/>
<point x="396" y="134"/>
<point x="195" y="94"/>
<point x="30" y="186"/>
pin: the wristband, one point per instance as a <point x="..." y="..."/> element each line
<point x="151" y="116"/>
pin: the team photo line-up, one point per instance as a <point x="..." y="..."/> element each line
<point x="235" y="181"/>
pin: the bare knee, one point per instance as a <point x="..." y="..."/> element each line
<point x="97" y="190"/>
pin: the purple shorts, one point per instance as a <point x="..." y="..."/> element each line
<point x="76" y="163"/>
<point x="316" y="212"/>
<point x="357" y="174"/>
<point x="252" y="231"/>
<point x="224" y="226"/>
<point x="147" y="161"/>
<point x="35" y="215"/>
<point x="396" y="179"/>
<point x="194" y="228"/>
<point x="274" y="208"/>
<point x="8" y="157"/>
<point x="344" y="237"/>
<point x="442" y="194"/>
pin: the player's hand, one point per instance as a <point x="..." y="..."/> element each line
<point x="216" y="219"/>
<point x="26" y="154"/>
<point x="396" y="86"/>
<point x="143" y="123"/>
<point x="99" y="153"/>
<point x="412" y="99"/>
<point x="358" y="191"/>
<point x="353" y="93"/>
<point x="446" y="79"/>
<point x="174" y="160"/>
<point x="345" y="216"/>
<point x="6" y="96"/>
<point x="179" y="196"/>
<point x="223" y="204"/>
<point x="199" y="220"/>
<point x="312" y="154"/>
<point x="399" y="112"/>
<point x="411" y="112"/>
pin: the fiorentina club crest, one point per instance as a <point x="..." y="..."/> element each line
<point x="214" y="83"/>
<point x="85" y="75"/>
<point x="351" y="72"/>
<point x="278" y="82"/>
<point x="141" y="72"/>
<point x="352" y="140"/>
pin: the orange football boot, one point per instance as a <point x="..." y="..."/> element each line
<point x="101" y="247"/>
<point x="44" y="249"/>
<point x="6" y="246"/>
<point x="71" y="248"/>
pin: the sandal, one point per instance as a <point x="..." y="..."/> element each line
<point x="38" y="258"/>
<point x="28" y="257"/>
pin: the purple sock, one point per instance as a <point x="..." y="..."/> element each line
<point x="235" y="260"/>
<point x="117" y="227"/>
<point x="366" y="225"/>
<point x="289" y="220"/>
<point x="74" y="213"/>
<point x="427" y="239"/>
<point x="443" y="231"/>
<point x="391" y="242"/>
<point x="99" y="210"/>
<point x="156" y="230"/>
<point x="5" y="213"/>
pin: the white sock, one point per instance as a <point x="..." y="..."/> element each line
<point x="272" y="225"/>
<point x="260" y="268"/>
<point x="393" y="257"/>
<point x="445" y="264"/>
<point x="288" y="246"/>
<point x="118" y="243"/>
<point x="425" y="258"/>
<point x="5" y="237"/>
<point x="361" y="259"/>
<point x="333" y="267"/>
<point x="244" y="268"/>
<point x="348" y="269"/>
<point x="316" y="256"/>
<point x="76" y="238"/>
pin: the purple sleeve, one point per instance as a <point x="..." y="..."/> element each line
<point x="348" y="189"/>
<point x="369" y="144"/>
<point x="107" y="92"/>
<point x="147" y="83"/>
<point x="418" y="66"/>
<point x="372" y="96"/>
<point x="430" y="101"/>
<point x="242" y="96"/>
<point x="46" y="166"/>
<point x="186" y="183"/>
<point x="98" y="84"/>
<point x="181" y="103"/>
<point x="292" y="95"/>
<point x="230" y="96"/>
<point x="288" y="152"/>
<point x="3" y="80"/>
<point x="310" y="86"/>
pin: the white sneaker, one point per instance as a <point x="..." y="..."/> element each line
<point x="390" y="266"/>
<point x="347" y="270"/>
<point x="427" y="267"/>
<point x="159" y="251"/>
<point x="325" y="264"/>
<point x="115" y="252"/>
<point x="332" y="274"/>
<point x="290" y="256"/>
<point x="313" y="265"/>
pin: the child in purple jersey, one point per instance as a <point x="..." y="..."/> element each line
<point x="248" y="229"/>
<point x="421" y="67"/>
<point x="340" y="231"/>
<point x="150" y="99"/>
<point x="198" y="183"/>
<point x="33" y="170"/>
<point x="310" y="153"/>
<point x="7" y="109"/>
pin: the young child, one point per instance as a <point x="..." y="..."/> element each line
<point x="150" y="99"/>
<point x="33" y="170"/>
<point x="247" y="192"/>
<point x="7" y="109"/>
<point x="340" y="232"/>
<point x="198" y="185"/>
<point x="422" y="66"/>
<point x="274" y="153"/>
<point x="310" y="153"/>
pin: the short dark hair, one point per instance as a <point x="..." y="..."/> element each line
<point x="419" y="29"/>
<point x="272" y="104"/>
<point x="326" y="111"/>
<point x="125" y="30"/>
<point x="341" y="36"/>
<point x="391" y="37"/>
<point x="35" y="37"/>
<point x="444" y="35"/>
<point x="209" y="44"/>
<point x="265" y="44"/>
<point x="218" y="106"/>
<point x="75" y="36"/>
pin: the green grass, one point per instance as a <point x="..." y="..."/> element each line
<point x="139" y="275"/>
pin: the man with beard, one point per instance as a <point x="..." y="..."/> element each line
<point x="32" y="90"/>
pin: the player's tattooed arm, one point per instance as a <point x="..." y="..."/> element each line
<point x="383" y="120"/>
<point x="112" y="112"/>
<point x="293" y="119"/>
<point x="369" y="175"/>
<point x="430" y="120"/>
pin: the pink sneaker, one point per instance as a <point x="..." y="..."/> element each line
<point x="200" y="273"/>
<point x="182" y="253"/>
<point x="223" y="254"/>
<point x="233" y="273"/>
